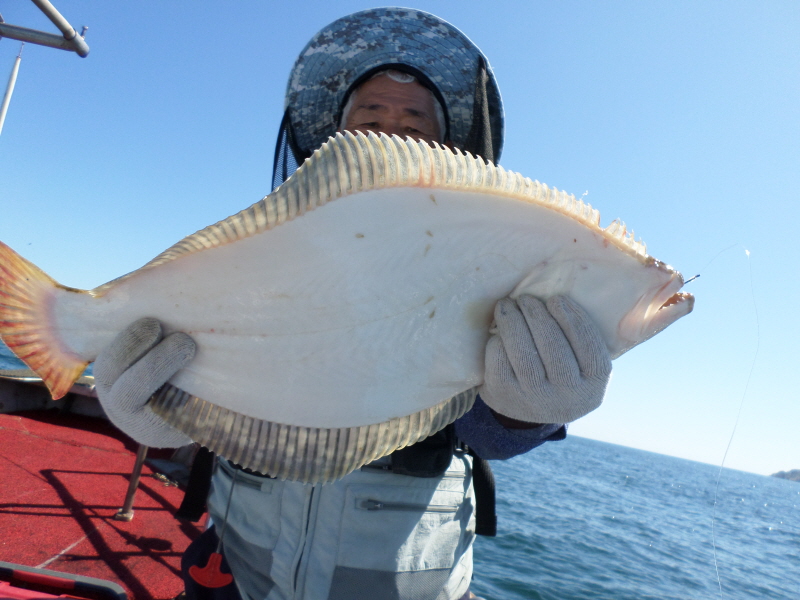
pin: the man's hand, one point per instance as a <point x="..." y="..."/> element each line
<point x="544" y="364"/>
<point x="130" y="370"/>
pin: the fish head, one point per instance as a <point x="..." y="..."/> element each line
<point x="655" y="310"/>
<point x="629" y="306"/>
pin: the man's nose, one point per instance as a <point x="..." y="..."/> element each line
<point x="392" y="129"/>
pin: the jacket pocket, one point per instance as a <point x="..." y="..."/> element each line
<point x="255" y="506"/>
<point x="401" y="528"/>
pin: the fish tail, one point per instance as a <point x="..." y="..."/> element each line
<point x="27" y="296"/>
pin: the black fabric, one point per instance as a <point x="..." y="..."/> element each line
<point x="479" y="140"/>
<point x="249" y="471"/>
<point x="194" y="499"/>
<point x="428" y="458"/>
<point x="287" y="154"/>
<point x="197" y="554"/>
<point x="485" y="497"/>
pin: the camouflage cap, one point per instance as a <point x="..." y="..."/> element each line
<point x="350" y="47"/>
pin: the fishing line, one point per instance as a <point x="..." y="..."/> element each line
<point x="718" y="254"/>
<point x="739" y="413"/>
<point x="715" y="257"/>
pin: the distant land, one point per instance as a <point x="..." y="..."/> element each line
<point x="793" y="475"/>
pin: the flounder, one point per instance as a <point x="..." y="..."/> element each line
<point x="345" y="315"/>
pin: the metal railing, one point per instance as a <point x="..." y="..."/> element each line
<point x="70" y="40"/>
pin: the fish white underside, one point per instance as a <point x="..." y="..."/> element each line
<point x="375" y="306"/>
<point x="346" y="314"/>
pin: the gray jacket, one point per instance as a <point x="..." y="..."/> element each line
<point x="372" y="534"/>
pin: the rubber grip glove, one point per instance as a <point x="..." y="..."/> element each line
<point x="130" y="370"/>
<point x="544" y="364"/>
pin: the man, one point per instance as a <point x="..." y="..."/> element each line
<point x="403" y="526"/>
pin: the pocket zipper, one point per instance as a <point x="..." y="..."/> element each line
<point x="387" y="468"/>
<point x="370" y="504"/>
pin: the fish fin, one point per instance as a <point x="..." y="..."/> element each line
<point x="296" y="453"/>
<point x="351" y="162"/>
<point x="26" y="294"/>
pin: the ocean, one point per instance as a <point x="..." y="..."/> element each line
<point x="581" y="519"/>
<point x="8" y="360"/>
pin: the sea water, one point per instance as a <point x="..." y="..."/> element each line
<point x="587" y="519"/>
<point x="581" y="519"/>
<point x="8" y="360"/>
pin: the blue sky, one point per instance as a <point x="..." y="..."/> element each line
<point x="680" y="118"/>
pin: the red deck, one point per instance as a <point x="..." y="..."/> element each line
<point x="62" y="479"/>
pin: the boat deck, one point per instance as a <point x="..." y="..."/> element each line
<point x="64" y="476"/>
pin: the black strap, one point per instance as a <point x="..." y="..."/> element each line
<point x="194" y="499"/>
<point x="479" y="139"/>
<point x="288" y="156"/>
<point x="427" y="458"/>
<point x="485" y="510"/>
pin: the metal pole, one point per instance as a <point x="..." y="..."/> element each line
<point x="69" y="39"/>
<point x="12" y="81"/>
<point x="33" y="36"/>
<point x="69" y="33"/>
<point x="126" y="512"/>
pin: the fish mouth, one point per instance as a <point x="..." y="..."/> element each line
<point x="677" y="299"/>
<point x="675" y="307"/>
<point x="653" y="314"/>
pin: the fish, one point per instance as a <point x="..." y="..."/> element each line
<point x="345" y="315"/>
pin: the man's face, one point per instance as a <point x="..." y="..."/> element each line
<point x="385" y="105"/>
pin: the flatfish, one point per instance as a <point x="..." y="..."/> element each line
<point x="345" y="315"/>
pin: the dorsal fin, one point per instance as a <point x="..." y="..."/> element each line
<point x="350" y="163"/>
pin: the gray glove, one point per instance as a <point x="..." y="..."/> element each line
<point x="544" y="364"/>
<point x="130" y="370"/>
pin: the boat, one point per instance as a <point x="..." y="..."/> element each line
<point x="67" y="475"/>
